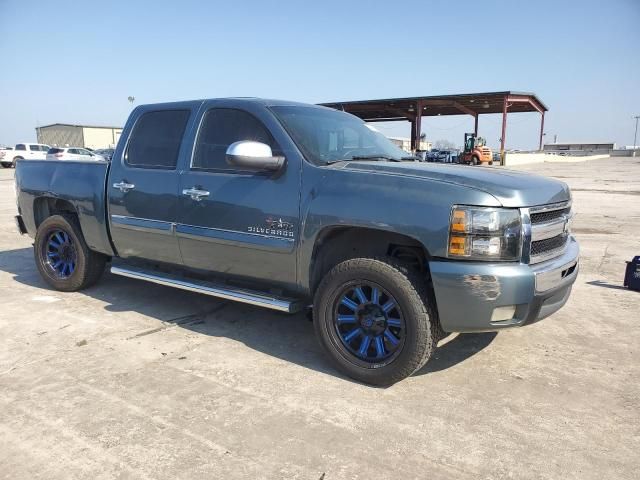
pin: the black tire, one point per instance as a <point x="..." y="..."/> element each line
<point x="6" y="165"/>
<point x="475" y="161"/>
<point x="409" y="290"/>
<point x="13" y="164"/>
<point x="88" y="265"/>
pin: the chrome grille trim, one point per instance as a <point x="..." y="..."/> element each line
<point x="545" y="231"/>
<point x="549" y="207"/>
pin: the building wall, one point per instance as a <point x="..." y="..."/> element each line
<point x="578" y="147"/>
<point x="101" y="137"/>
<point x="60" y="136"/>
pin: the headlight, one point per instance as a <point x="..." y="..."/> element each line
<point x="482" y="233"/>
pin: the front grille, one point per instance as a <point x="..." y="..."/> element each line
<point x="542" y="217"/>
<point x="548" y="245"/>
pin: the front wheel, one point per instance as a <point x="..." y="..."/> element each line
<point x="6" y="164"/>
<point x="63" y="257"/>
<point x="374" y="320"/>
<point x="475" y="161"/>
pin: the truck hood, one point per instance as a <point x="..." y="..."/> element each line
<point x="511" y="188"/>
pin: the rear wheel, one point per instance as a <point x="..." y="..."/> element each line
<point x="374" y="320"/>
<point x="63" y="257"/>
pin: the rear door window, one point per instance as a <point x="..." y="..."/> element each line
<point x="156" y="138"/>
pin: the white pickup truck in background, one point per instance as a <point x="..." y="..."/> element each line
<point x="31" y="151"/>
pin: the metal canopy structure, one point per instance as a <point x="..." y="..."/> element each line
<point x="412" y="109"/>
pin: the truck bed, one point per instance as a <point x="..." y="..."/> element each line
<point x="80" y="184"/>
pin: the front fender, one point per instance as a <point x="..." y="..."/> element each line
<point x="414" y="207"/>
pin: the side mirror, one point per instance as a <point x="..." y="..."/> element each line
<point x="248" y="155"/>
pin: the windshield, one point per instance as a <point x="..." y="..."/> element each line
<point x="327" y="136"/>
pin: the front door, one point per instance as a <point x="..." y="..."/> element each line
<point x="238" y="223"/>
<point x="143" y="187"/>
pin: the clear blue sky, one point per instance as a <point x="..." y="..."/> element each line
<point x="77" y="62"/>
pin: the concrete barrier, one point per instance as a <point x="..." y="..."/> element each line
<point x="513" y="159"/>
<point x="629" y="152"/>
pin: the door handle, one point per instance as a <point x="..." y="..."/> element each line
<point x="124" y="187"/>
<point x="195" y="193"/>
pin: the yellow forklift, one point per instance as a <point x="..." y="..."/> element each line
<point x="475" y="151"/>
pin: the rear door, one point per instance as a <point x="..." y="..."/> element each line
<point x="85" y="154"/>
<point x="32" y="152"/>
<point x="143" y="185"/>
<point x="247" y="223"/>
<point x="72" y="154"/>
<point x="43" y="152"/>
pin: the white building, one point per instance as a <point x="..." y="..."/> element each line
<point x="87" y="136"/>
<point x="405" y="143"/>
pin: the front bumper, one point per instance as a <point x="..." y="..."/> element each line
<point x="467" y="293"/>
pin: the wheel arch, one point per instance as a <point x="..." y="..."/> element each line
<point x="334" y="244"/>
<point x="45" y="207"/>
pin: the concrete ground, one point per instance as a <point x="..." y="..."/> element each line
<point x="134" y="380"/>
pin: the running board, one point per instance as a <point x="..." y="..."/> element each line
<point x="259" y="299"/>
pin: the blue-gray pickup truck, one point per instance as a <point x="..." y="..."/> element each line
<point x="286" y="205"/>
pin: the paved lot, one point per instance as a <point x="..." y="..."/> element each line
<point x="132" y="380"/>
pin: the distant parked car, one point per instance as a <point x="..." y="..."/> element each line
<point x="440" y="156"/>
<point x="104" y="152"/>
<point x="431" y="155"/>
<point x="30" y="151"/>
<point x="5" y="153"/>
<point x="72" y="153"/>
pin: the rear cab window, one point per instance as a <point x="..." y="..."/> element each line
<point x="156" y="138"/>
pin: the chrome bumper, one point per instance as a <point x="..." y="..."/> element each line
<point x="558" y="272"/>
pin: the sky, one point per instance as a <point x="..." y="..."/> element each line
<point x="78" y="62"/>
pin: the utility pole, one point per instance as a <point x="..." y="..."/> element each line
<point x="635" y="137"/>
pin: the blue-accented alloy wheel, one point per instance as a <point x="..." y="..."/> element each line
<point x="369" y="322"/>
<point x="60" y="254"/>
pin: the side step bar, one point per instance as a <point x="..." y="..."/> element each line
<point x="259" y="299"/>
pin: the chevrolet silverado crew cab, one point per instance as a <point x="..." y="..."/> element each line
<point x="286" y="205"/>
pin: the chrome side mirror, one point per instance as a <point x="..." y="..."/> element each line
<point x="248" y="155"/>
